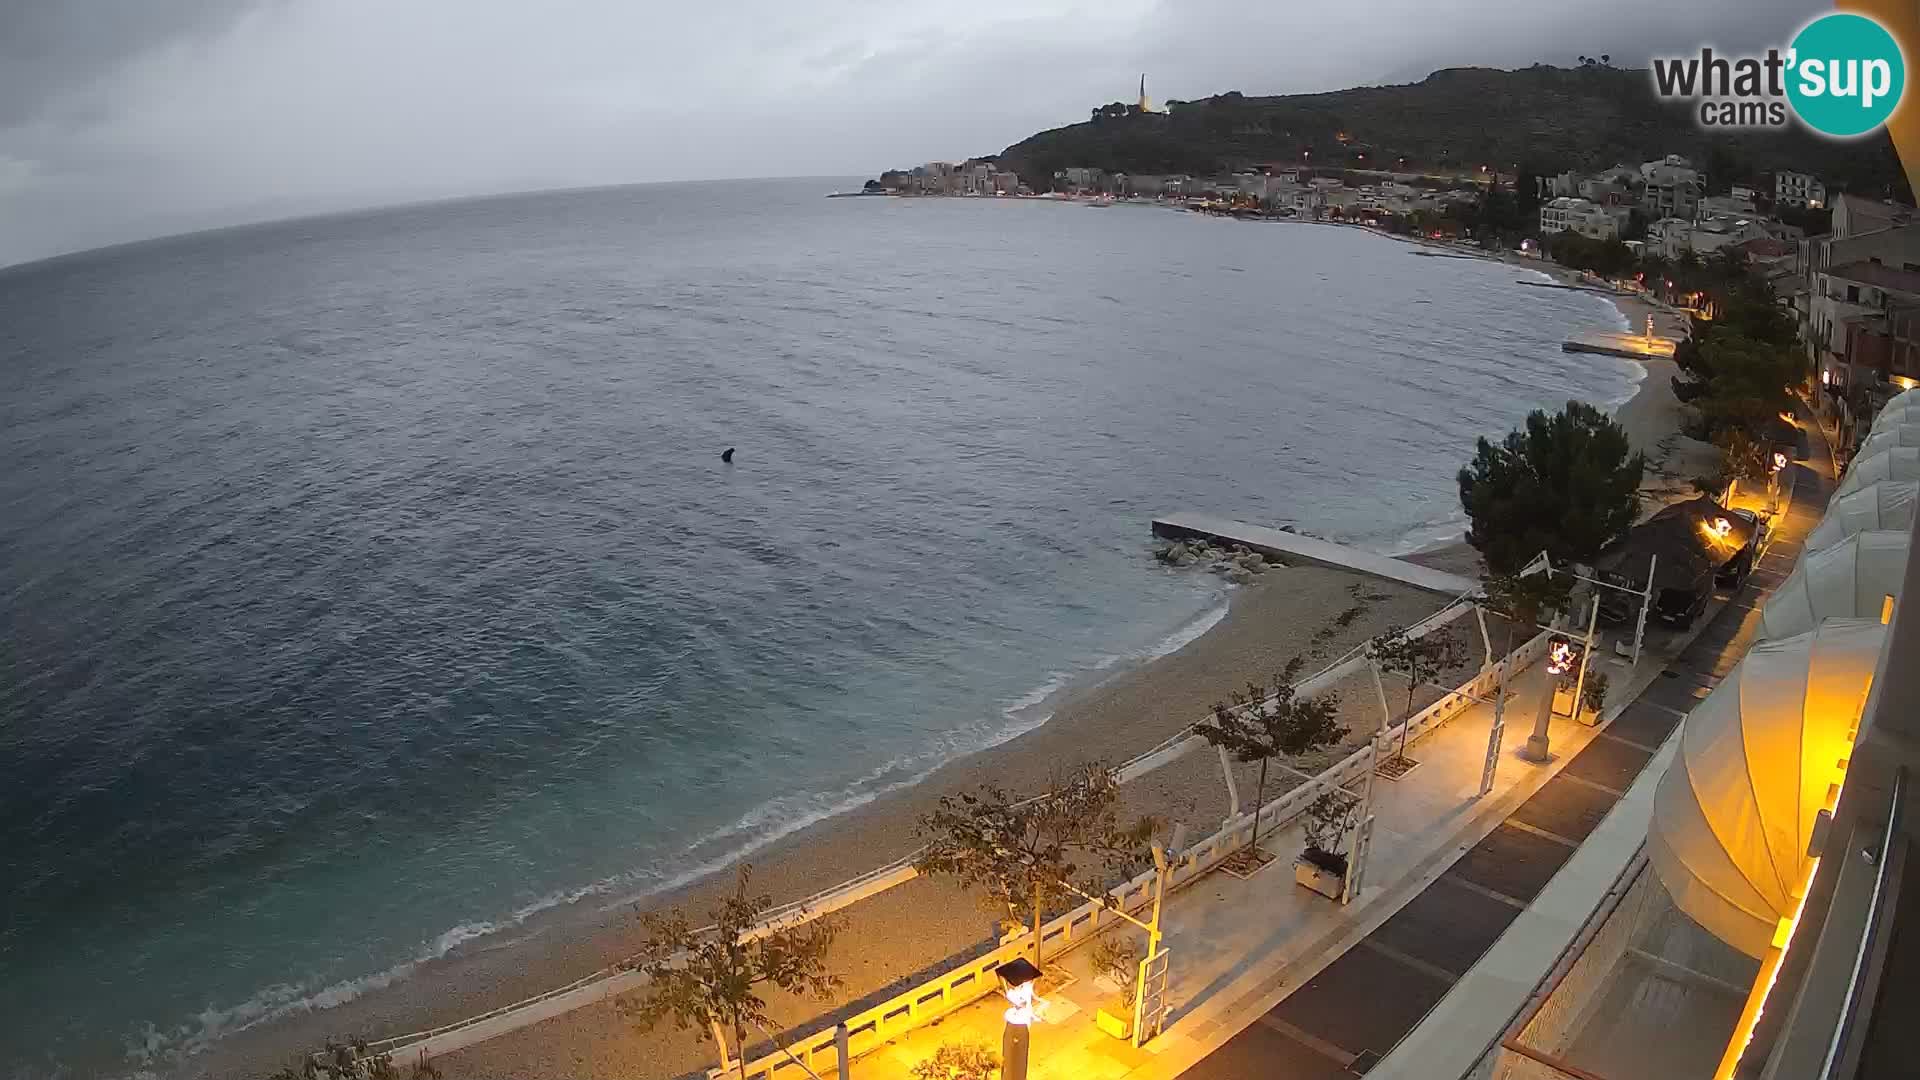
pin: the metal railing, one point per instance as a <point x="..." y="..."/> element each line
<point x="616" y="979"/>
<point x="972" y="980"/>
<point x="1842" y="1056"/>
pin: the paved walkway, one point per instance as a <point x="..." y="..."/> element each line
<point x="1269" y="980"/>
<point x="1351" y="1014"/>
<point x="1229" y="937"/>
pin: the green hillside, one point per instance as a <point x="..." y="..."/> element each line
<point x="1539" y="119"/>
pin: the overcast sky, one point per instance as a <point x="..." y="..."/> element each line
<point x="122" y="119"/>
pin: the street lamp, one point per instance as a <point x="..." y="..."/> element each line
<point x="1017" y="977"/>
<point x="1562" y="656"/>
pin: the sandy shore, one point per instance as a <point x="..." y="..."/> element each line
<point x="910" y="929"/>
<point x="890" y="939"/>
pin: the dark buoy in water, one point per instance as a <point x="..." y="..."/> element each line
<point x="727" y="455"/>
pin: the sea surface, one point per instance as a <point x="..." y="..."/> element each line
<point x="372" y="582"/>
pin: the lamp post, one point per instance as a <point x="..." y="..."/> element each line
<point x="1560" y="660"/>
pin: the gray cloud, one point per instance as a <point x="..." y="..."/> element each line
<point x="51" y="48"/>
<point x="126" y="119"/>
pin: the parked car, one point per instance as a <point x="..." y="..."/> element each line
<point x="1735" y="570"/>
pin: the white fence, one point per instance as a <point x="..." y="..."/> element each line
<point x="610" y="982"/>
<point x="974" y="979"/>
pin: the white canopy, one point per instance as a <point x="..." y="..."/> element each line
<point x="1905" y="399"/>
<point x="1906" y="413"/>
<point x="1850" y="580"/>
<point x="1891" y="434"/>
<point x="1885" y="505"/>
<point x="1734" y="813"/>
<point x="1890" y="463"/>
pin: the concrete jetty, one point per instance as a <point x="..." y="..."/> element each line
<point x="1630" y="346"/>
<point x="1295" y="548"/>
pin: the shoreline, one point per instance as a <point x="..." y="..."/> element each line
<point x="1133" y="707"/>
<point x="1109" y="713"/>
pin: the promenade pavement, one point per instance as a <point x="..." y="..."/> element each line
<point x="1231" y="937"/>
<point x="1348" y="1017"/>
<point x="1268" y="979"/>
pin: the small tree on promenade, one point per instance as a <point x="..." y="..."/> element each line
<point x="710" y="979"/>
<point x="1566" y="484"/>
<point x="1419" y="660"/>
<point x="1261" y="724"/>
<point x="1023" y="852"/>
<point x="1526" y="601"/>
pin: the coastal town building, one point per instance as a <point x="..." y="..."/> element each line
<point x="1856" y="216"/>
<point x="1734" y="204"/>
<point x="1670" y="187"/>
<point x="1078" y="179"/>
<point x="1853" y="321"/>
<point x="1152" y="185"/>
<point x="1676" y="236"/>
<point x="1569" y="214"/>
<point x="1797" y="189"/>
<point x="1853" y="295"/>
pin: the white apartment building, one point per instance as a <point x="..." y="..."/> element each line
<point x="1670" y="187"/>
<point x="1674" y="236"/>
<point x="1587" y="218"/>
<point x="1799" y="189"/>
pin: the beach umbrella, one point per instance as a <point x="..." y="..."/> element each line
<point x="1887" y="463"/>
<point x="1885" y="505"/>
<point x="1759" y="758"/>
<point x="1857" y="578"/>
<point x="1889" y="435"/>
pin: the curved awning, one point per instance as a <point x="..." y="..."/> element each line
<point x="1759" y="758"/>
<point x="1850" y="580"/>
<point x="1884" y="435"/>
<point x="1892" y="463"/>
<point x="1905" y="413"/>
<point x="1886" y="505"/>
<point x="1905" y="399"/>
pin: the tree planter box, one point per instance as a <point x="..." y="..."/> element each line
<point x="1323" y="881"/>
<point x="1120" y="1027"/>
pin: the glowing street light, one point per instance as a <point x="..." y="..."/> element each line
<point x="1560" y="658"/>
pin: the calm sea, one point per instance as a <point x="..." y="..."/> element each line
<point x="372" y="582"/>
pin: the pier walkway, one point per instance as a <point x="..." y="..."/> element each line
<point x="1295" y="548"/>
<point x="1630" y="346"/>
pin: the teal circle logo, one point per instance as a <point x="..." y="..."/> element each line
<point x="1846" y="75"/>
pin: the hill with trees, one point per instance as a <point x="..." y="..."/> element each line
<point x="1539" y="119"/>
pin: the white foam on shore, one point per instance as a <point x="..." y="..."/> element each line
<point x="753" y="831"/>
<point x="151" y="1046"/>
